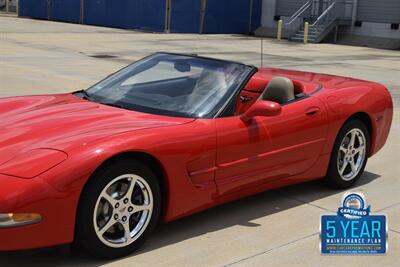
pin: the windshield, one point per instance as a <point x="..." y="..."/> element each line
<point x="174" y="85"/>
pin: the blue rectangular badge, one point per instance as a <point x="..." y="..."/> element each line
<point x="363" y="235"/>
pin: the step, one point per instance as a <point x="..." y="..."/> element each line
<point x="310" y="30"/>
<point x="302" y="36"/>
<point x="318" y="28"/>
<point x="302" y="32"/>
<point x="315" y="27"/>
<point x="309" y="33"/>
<point x="301" y="39"/>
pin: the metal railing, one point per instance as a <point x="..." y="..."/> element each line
<point x="295" y="22"/>
<point x="336" y="10"/>
<point x="326" y="16"/>
<point x="321" y="15"/>
<point x="300" y="12"/>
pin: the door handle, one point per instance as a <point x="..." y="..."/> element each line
<point x="313" y="111"/>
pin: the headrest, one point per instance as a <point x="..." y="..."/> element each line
<point x="279" y="89"/>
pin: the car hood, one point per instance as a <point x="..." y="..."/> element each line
<point x="62" y="121"/>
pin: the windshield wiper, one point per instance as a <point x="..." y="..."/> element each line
<point x="85" y="94"/>
<point x="88" y="97"/>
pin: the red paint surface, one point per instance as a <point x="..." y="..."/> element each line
<point x="205" y="161"/>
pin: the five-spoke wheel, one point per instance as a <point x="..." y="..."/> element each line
<point x="119" y="208"/>
<point x="123" y="210"/>
<point x="349" y="155"/>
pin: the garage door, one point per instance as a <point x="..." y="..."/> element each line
<point x="185" y="15"/>
<point x="227" y="16"/>
<point x="387" y="11"/>
<point x="105" y="13"/>
<point x="147" y="15"/>
<point x="288" y="7"/>
<point x="38" y="9"/>
<point x="65" y="10"/>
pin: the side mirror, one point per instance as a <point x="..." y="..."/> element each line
<point x="262" y="108"/>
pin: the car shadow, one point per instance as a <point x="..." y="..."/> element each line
<point x="239" y="212"/>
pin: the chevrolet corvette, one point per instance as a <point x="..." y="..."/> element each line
<point x="171" y="135"/>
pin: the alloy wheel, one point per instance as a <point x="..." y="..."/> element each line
<point x="123" y="210"/>
<point x="352" y="153"/>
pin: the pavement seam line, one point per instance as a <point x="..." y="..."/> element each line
<point x="389" y="207"/>
<point x="271" y="249"/>
<point x="308" y="203"/>
<point x="392" y="230"/>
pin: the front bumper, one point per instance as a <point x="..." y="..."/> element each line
<point x="34" y="196"/>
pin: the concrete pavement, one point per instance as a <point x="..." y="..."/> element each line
<point x="276" y="228"/>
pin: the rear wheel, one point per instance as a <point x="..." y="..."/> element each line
<point x="119" y="208"/>
<point x="349" y="156"/>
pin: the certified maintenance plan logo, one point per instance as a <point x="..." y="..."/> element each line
<point x="353" y="230"/>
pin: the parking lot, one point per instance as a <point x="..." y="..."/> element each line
<point x="276" y="228"/>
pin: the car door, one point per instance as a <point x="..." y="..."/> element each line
<point x="269" y="148"/>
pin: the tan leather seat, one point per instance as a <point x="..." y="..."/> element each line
<point x="279" y="89"/>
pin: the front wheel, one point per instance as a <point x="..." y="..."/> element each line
<point x="119" y="208"/>
<point x="349" y="156"/>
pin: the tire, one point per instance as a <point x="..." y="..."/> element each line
<point x="105" y="204"/>
<point x="343" y="172"/>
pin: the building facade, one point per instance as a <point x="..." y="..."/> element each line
<point x="360" y="22"/>
<point x="182" y="16"/>
<point x="372" y="23"/>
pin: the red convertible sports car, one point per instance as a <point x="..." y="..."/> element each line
<point x="171" y="135"/>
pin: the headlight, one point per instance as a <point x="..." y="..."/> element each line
<point x="33" y="163"/>
<point x="18" y="219"/>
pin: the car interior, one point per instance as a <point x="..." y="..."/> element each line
<point x="173" y="93"/>
<point x="278" y="89"/>
<point x="183" y="88"/>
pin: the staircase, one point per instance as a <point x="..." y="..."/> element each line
<point x="321" y="22"/>
<point x="316" y="33"/>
